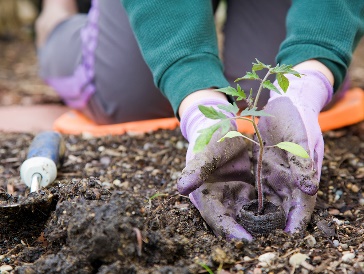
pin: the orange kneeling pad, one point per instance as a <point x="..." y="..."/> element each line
<point x="349" y="110"/>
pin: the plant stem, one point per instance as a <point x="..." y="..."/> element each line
<point x="260" y="89"/>
<point x="258" y="182"/>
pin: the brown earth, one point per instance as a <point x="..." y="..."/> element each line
<point x="116" y="208"/>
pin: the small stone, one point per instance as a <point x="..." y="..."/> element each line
<point x="101" y="148"/>
<point x="349" y="185"/>
<point x="317" y="259"/>
<point x="257" y="270"/>
<point x="334" y="211"/>
<point x="348" y="213"/>
<point x="355" y="188"/>
<point x="348" y="257"/>
<point x="336" y="243"/>
<point x="310" y="241"/>
<point x="297" y="259"/>
<point x="267" y="257"/>
<point x="105" y="160"/>
<point x="239" y="245"/>
<point x="338" y="194"/>
<point x="155" y="172"/>
<point x="5" y="267"/>
<point x="180" y="145"/>
<point x="361" y="201"/>
<point x="344" y="246"/>
<point x="268" y="249"/>
<point x="106" y="185"/>
<point x="117" y="183"/>
<point x="320" y="193"/>
<point x="337" y="221"/>
<point x="247" y="259"/>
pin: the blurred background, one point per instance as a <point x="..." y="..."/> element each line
<point x="19" y="83"/>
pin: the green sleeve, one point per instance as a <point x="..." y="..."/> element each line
<point x="178" y="42"/>
<point x="325" y="30"/>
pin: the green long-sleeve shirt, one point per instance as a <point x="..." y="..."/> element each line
<point x="178" y="40"/>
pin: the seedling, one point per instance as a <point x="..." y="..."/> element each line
<point x="249" y="114"/>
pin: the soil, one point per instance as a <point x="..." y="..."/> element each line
<point x="115" y="207"/>
<point x="272" y="217"/>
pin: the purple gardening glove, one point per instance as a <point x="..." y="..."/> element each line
<point x="218" y="179"/>
<point x="287" y="179"/>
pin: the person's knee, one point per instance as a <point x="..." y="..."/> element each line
<point x="62" y="53"/>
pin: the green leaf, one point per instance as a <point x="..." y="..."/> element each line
<point x="259" y="65"/>
<point x="268" y="84"/>
<point x="233" y="108"/>
<point x="231" y="134"/>
<point x="254" y="112"/>
<point x="204" y="138"/>
<point x="248" y="76"/>
<point x="294" y="149"/>
<point x="241" y="92"/>
<point x="229" y="91"/>
<point x="206" y="134"/>
<point x="283" y="81"/>
<point x="211" y="113"/>
<point x="238" y="92"/>
<point x="206" y="267"/>
<point x="285" y="69"/>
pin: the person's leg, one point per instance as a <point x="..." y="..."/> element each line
<point x="106" y="78"/>
<point x="253" y="29"/>
<point x="53" y="12"/>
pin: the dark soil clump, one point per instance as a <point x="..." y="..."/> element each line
<point x="118" y="211"/>
<point x="272" y="218"/>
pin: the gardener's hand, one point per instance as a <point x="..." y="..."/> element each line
<point x="213" y="177"/>
<point x="287" y="179"/>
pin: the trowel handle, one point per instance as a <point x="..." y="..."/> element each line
<point x="44" y="156"/>
<point x="48" y="144"/>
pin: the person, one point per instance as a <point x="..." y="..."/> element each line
<point x="135" y="60"/>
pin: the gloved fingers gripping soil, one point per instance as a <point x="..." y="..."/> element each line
<point x="288" y="180"/>
<point x="281" y="167"/>
<point x="224" y="161"/>
<point x="220" y="202"/>
<point x="219" y="182"/>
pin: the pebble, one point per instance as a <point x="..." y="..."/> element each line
<point x="336" y="243"/>
<point x="348" y="213"/>
<point x="337" y="221"/>
<point x="338" y="194"/>
<point x="361" y="201"/>
<point x="267" y="257"/>
<point x="117" y="183"/>
<point x="310" y="241"/>
<point x="334" y="211"/>
<point x="317" y="259"/>
<point x="239" y="244"/>
<point x="180" y="145"/>
<point x="247" y="259"/>
<point x="296" y="259"/>
<point x="348" y="257"/>
<point x="106" y="185"/>
<point x="344" y="246"/>
<point x="355" y="188"/>
<point x="5" y="267"/>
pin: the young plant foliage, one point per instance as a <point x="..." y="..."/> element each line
<point x="249" y="114"/>
<point x="293" y="148"/>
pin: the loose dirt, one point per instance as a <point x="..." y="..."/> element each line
<point x="117" y="210"/>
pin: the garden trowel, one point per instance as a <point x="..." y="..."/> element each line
<point x="38" y="170"/>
